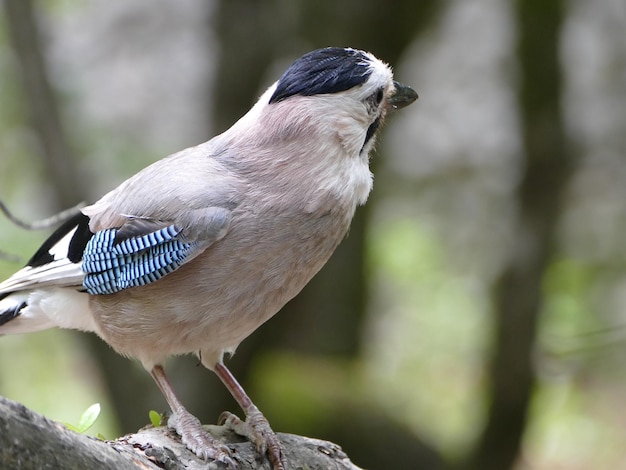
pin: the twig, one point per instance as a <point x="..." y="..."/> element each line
<point x="43" y="223"/>
<point x="48" y="222"/>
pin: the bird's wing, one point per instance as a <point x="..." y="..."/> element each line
<point x="149" y="226"/>
<point x="55" y="263"/>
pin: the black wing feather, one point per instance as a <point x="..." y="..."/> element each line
<point x="77" y="245"/>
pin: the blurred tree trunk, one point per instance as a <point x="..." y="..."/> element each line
<point x="326" y="318"/>
<point x="518" y="293"/>
<point x="42" y="107"/>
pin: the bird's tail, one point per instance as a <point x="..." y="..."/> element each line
<point x="41" y="309"/>
<point x="12" y="320"/>
<point x="47" y="292"/>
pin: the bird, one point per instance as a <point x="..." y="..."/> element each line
<point x="197" y="250"/>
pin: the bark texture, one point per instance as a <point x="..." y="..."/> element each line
<point x="31" y="441"/>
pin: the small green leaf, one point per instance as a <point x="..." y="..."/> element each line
<point x="88" y="418"/>
<point x="155" y="418"/>
<point x="101" y="437"/>
<point x="69" y="426"/>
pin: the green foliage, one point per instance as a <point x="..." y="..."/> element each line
<point x="428" y="333"/>
<point x="53" y="364"/>
<point x="302" y="393"/>
<point x="87" y="419"/>
<point x="156" y="418"/>
<point x="566" y="320"/>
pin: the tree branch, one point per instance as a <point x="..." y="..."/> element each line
<point x="31" y="441"/>
<point x="46" y="223"/>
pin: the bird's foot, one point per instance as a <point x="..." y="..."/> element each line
<point x="197" y="440"/>
<point x="257" y="430"/>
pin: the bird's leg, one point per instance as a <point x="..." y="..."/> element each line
<point x="188" y="426"/>
<point x="256" y="427"/>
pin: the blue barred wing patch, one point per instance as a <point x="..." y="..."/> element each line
<point x="111" y="267"/>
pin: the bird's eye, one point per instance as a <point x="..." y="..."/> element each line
<point x="373" y="101"/>
<point x="379" y="95"/>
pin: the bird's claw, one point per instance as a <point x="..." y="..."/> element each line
<point x="197" y="440"/>
<point x="257" y="430"/>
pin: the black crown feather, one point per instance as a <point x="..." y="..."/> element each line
<point x="328" y="70"/>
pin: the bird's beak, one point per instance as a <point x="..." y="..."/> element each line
<point x="402" y="97"/>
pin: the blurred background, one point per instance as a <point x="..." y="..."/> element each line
<point x="474" y="318"/>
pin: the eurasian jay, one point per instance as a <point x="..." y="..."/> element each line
<point x="196" y="251"/>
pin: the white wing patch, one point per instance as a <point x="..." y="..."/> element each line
<point x="58" y="272"/>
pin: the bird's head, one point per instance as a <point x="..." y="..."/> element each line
<point x="352" y="87"/>
<point x="318" y="122"/>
